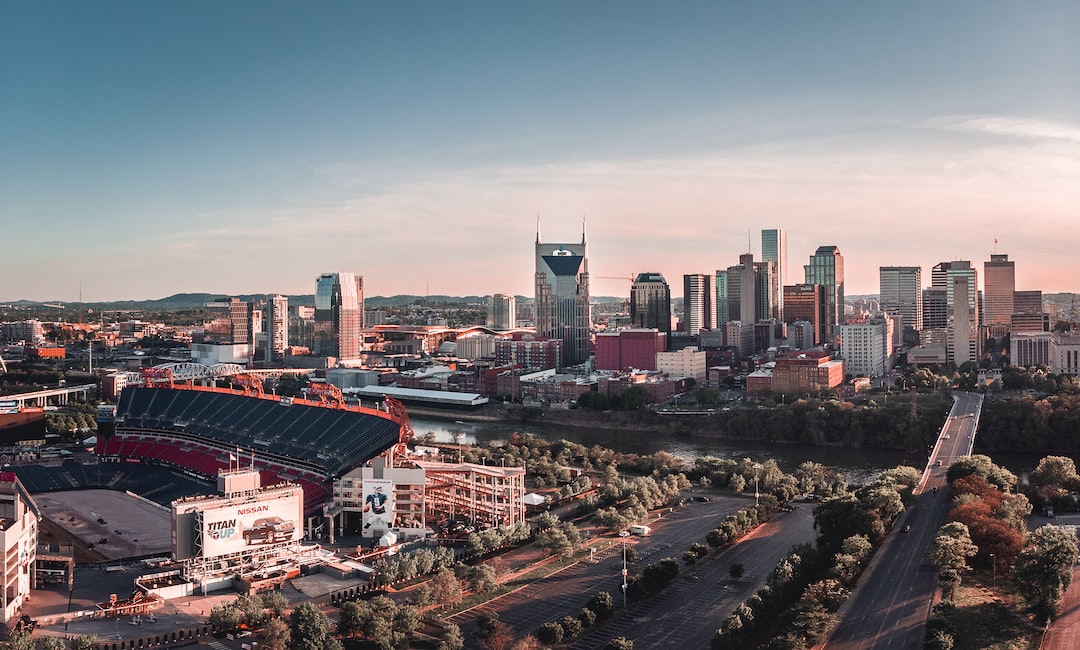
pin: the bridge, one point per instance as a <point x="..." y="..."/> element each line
<point x="60" y="395"/>
<point x="191" y="371"/>
<point x="890" y="605"/>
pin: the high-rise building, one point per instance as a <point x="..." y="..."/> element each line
<point x="1029" y="315"/>
<point x="806" y="303"/>
<point x="650" y="303"/>
<point x="563" y="311"/>
<point x="502" y="312"/>
<point x="230" y="321"/>
<point x="774" y="249"/>
<point x="935" y="308"/>
<point x="865" y="348"/>
<point x="901" y="294"/>
<point x="939" y="275"/>
<point x="999" y="284"/>
<point x="722" y="301"/>
<point x="826" y="268"/>
<point x="339" y="315"/>
<point x="698" y="312"/>
<point x="277" y="328"/>
<point x="766" y="300"/>
<point x="963" y="322"/>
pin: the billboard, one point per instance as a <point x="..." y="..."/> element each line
<point x="378" y="511"/>
<point x="244" y="526"/>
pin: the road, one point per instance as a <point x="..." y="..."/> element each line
<point x="889" y="607"/>
<point x="688" y="612"/>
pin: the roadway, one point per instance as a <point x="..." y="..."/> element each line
<point x="889" y="607"/>
<point x="688" y="612"/>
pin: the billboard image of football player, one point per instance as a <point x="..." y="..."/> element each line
<point x="378" y="508"/>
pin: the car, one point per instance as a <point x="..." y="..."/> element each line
<point x="946" y="436"/>
<point x="933" y="490"/>
<point x="624" y="533"/>
<point x="939" y="463"/>
<point x="267" y="530"/>
<point x="788" y="508"/>
<point x="701" y="499"/>
<point x="907" y="529"/>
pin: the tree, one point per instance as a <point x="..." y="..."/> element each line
<point x="309" y="629"/>
<point x="51" y="643"/>
<point x="276" y="602"/>
<point x="1044" y="569"/>
<point x="445" y="587"/>
<point x="275" y="635"/>
<point x="482" y="578"/>
<point x="352" y="617"/>
<point x="1054" y="477"/>
<point x="499" y="637"/>
<point x="225" y="617"/>
<point x="84" y="642"/>
<point x="619" y="643"/>
<point x="550" y="633"/>
<point x="602" y="604"/>
<point x="19" y="640"/>
<point x="452" y="638"/>
<point x="736" y="570"/>
<point x="949" y="554"/>
<point x="546" y="520"/>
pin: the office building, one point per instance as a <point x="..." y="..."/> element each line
<point x="774" y="249"/>
<point x="963" y="327"/>
<point x="865" y="348"/>
<point x="339" y="314"/>
<point x="806" y="303"/>
<point x="826" y="268"/>
<point x="563" y="311"/>
<point x="19" y="517"/>
<point x="901" y="294"/>
<point x="277" y="328"/>
<point x="720" y="283"/>
<point x="687" y="362"/>
<point x="650" y="303"/>
<point x="502" y="312"/>
<point x="999" y="285"/>
<point x="766" y="298"/>
<point x="1028" y="312"/>
<point x="629" y="349"/>
<point x="935" y="308"/>
<point x="698" y="312"/>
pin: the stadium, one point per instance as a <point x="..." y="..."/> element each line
<point x="201" y="430"/>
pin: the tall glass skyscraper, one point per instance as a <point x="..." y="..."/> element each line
<point x="339" y="315"/>
<point x="901" y="294"/>
<point x="774" y="249"/>
<point x="276" y="328"/>
<point x="999" y="287"/>
<point x="826" y="268"/>
<point x="562" y="297"/>
<point x="698" y="312"/>
<point x="650" y="303"/>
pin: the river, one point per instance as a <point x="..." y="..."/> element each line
<point x="856" y="465"/>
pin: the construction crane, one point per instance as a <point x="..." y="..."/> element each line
<point x="59" y="308"/>
<point x="3" y="366"/>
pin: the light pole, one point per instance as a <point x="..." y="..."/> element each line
<point x="757" y="494"/>
<point x="624" y="575"/>
<point x="994" y="565"/>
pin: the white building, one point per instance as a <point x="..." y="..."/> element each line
<point x="476" y="346"/>
<point x="687" y="362"/>
<point x="865" y="347"/>
<point x="19" y="517"/>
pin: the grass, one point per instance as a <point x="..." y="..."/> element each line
<point x="980" y="621"/>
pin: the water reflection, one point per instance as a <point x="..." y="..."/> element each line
<point x="856" y="465"/>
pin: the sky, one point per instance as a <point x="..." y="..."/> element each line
<point x="153" y="148"/>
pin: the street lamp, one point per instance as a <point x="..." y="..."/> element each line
<point x="757" y="493"/>
<point x="624" y="574"/>
<point x="994" y="565"/>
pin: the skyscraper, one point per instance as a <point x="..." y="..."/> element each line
<point x="339" y="315"/>
<point x="774" y="249"/>
<point x="766" y="300"/>
<point x="806" y="303"/>
<point x="276" y="327"/>
<point x="698" y="312"/>
<point x="999" y="285"/>
<point x="901" y="294"/>
<point x="502" y="312"/>
<point x="720" y="284"/>
<point x="962" y="301"/>
<point x="826" y="268"/>
<point x="563" y="311"/>
<point x="650" y="303"/>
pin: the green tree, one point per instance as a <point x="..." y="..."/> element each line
<point x="225" y="617"/>
<point x="51" y="643"/>
<point x="1044" y="569"/>
<point x="1054" y="477"/>
<point x="309" y="629"/>
<point x="84" y="642"/>
<point x="275" y="635"/>
<point x="550" y="633"/>
<point x="452" y="638"/>
<point x="19" y="640"/>
<point x="949" y="554"/>
<point x="482" y="578"/>
<point x="602" y="604"/>
<point x="276" y="602"/>
<point x="619" y="643"/>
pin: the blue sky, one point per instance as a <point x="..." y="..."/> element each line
<point x="149" y="148"/>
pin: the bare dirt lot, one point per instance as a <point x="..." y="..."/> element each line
<point x="131" y="527"/>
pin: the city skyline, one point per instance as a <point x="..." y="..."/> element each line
<point x="248" y="148"/>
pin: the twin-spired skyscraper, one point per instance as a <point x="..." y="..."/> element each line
<point x="562" y="296"/>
